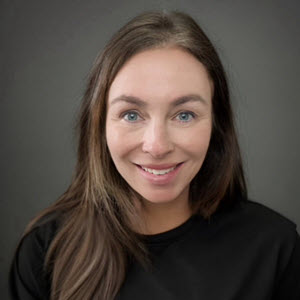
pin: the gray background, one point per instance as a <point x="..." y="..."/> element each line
<point x="47" y="49"/>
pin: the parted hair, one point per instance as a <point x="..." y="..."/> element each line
<point x="95" y="242"/>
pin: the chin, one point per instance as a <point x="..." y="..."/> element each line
<point x="159" y="198"/>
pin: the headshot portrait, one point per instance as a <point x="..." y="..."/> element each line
<point x="150" y="151"/>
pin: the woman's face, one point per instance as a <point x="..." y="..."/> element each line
<point x="159" y="122"/>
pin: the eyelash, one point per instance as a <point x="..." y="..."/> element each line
<point x="182" y="112"/>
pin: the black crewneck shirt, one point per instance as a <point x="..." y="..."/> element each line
<point x="157" y="243"/>
<point x="249" y="252"/>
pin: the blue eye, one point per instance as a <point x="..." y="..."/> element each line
<point x="186" y="116"/>
<point x="131" y="116"/>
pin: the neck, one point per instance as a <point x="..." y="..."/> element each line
<point x="161" y="217"/>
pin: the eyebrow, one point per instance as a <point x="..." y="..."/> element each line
<point x="176" y="102"/>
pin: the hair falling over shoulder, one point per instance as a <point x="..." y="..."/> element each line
<point x="95" y="241"/>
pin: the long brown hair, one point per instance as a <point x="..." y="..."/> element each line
<point x="90" y="253"/>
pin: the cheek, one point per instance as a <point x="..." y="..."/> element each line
<point x="119" y="143"/>
<point x="196" y="141"/>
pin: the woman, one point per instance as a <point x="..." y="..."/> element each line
<point x="158" y="207"/>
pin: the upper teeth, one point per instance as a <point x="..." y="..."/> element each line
<point x="159" y="172"/>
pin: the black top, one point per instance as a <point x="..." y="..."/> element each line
<point x="249" y="252"/>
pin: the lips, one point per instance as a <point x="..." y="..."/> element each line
<point x="158" y="176"/>
<point x="159" y="167"/>
<point x="158" y="172"/>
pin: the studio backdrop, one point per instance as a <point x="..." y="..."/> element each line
<point x="47" y="49"/>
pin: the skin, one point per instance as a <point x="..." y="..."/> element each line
<point x="159" y="133"/>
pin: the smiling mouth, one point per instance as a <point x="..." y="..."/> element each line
<point x="159" y="171"/>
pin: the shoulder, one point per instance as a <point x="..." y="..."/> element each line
<point x="264" y="234"/>
<point x="28" y="277"/>
<point x="38" y="239"/>
<point x="266" y="218"/>
<point x="271" y="226"/>
<point x="278" y="238"/>
<point x="258" y="226"/>
<point x="249" y="213"/>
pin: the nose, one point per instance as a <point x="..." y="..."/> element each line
<point x="157" y="140"/>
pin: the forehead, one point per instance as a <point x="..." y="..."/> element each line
<point x="160" y="74"/>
